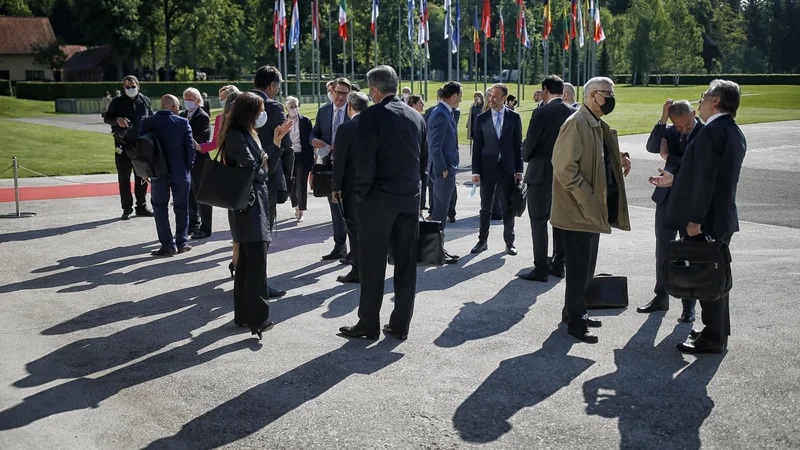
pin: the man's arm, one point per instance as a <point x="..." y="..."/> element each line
<point x="188" y="145"/>
<point x="566" y="155"/>
<point x="342" y="138"/>
<point x="535" y="127"/>
<point x="656" y="136"/>
<point x="517" y="145"/>
<point x="437" y="129"/>
<point x="477" y="148"/>
<point x="424" y="161"/>
<point x="204" y="125"/>
<point x="113" y="112"/>
<point x="708" y="149"/>
<point x="366" y="150"/>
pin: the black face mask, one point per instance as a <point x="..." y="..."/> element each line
<point x="608" y="106"/>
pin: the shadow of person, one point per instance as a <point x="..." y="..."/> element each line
<point x="445" y="277"/>
<point x="84" y="393"/>
<point x="102" y="257"/>
<point x="261" y="405"/>
<point x="56" y="231"/>
<point x="519" y="382"/>
<point x="659" y="398"/>
<point x="494" y="316"/>
<point x="201" y="305"/>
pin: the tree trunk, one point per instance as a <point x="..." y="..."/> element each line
<point x="167" y="38"/>
<point x="153" y="57"/>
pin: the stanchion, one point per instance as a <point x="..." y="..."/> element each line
<point x="18" y="214"/>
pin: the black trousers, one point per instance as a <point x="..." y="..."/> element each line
<point x="299" y="195"/>
<point x="580" y="249"/>
<point x="716" y="315"/>
<point x="350" y="206"/>
<point x="451" y="210"/>
<point x="380" y="226"/>
<point x="248" y="284"/>
<point x="502" y="183"/>
<point x="124" y="170"/>
<point x="338" y="225"/>
<point x="540" y="199"/>
<point x="199" y="214"/>
<point x="663" y="237"/>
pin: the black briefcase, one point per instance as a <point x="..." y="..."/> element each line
<point x="518" y="196"/>
<point x="430" y="248"/>
<point x="699" y="269"/>
<point x="322" y="180"/>
<point x="225" y="186"/>
<point x="607" y="291"/>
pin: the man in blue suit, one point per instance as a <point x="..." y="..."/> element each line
<point x="175" y="136"/>
<point x="497" y="164"/>
<point x="443" y="151"/>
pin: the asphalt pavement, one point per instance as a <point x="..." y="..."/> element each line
<point x="104" y="346"/>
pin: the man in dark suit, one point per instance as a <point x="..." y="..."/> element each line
<point x="451" y="210"/>
<point x="344" y="191"/>
<point x="199" y="214"/>
<point x="329" y="117"/>
<point x="703" y="197"/>
<point x="391" y="162"/>
<point x="671" y="143"/>
<point x="267" y="86"/>
<point x="175" y="136"/>
<point x="537" y="152"/>
<point x="497" y="164"/>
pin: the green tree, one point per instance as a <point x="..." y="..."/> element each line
<point x="728" y="31"/>
<point x="49" y="55"/>
<point x="14" y="8"/>
<point x="684" y="41"/>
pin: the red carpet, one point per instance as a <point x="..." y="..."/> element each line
<point x="56" y="192"/>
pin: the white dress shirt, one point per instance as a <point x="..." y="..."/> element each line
<point x="294" y="134"/>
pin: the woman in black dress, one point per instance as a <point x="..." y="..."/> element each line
<point x="250" y="227"/>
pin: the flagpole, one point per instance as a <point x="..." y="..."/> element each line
<point x="319" y="76"/>
<point x="297" y="66"/>
<point x="448" y="26"/>
<point x="519" y="61"/>
<point x="330" y="42"/>
<point x="399" y="42"/>
<point x="427" y="74"/>
<point x="285" y="92"/>
<point x="352" y="53"/>
<point x="344" y="56"/>
<point x="485" y="59"/>
<point x="375" y="40"/>
<point x="475" y="62"/>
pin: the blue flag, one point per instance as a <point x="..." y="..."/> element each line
<point x="411" y="7"/>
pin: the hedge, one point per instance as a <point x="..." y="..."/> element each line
<point x="37" y="90"/>
<point x="5" y="88"/>
<point x="703" y="79"/>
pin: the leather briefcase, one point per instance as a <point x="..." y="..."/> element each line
<point x="518" y="196"/>
<point x="430" y="248"/>
<point x="322" y="182"/>
<point x="697" y="268"/>
<point x="225" y="186"/>
<point x="607" y="291"/>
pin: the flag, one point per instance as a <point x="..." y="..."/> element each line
<point x="486" y="20"/>
<point x="502" y="33"/>
<point x="475" y="38"/>
<point x="411" y="6"/>
<point x="343" y="19"/>
<point x="525" y="41"/>
<point x="457" y="37"/>
<point x="447" y="19"/>
<point x="374" y="15"/>
<point x="294" y="31"/>
<point x="574" y="18"/>
<point x="599" y="36"/>
<point x="580" y="26"/>
<point x="547" y="20"/>
<point x="566" y="31"/>
<point x="521" y="7"/>
<point x="315" y="20"/>
<point x="279" y="24"/>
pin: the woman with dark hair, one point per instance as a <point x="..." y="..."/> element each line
<point x="511" y="102"/>
<point x="239" y="145"/>
<point x="415" y="101"/>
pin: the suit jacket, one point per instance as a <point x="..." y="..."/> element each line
<point x="251" y="224"/>
<point x="323" y="129"/>
<point x="427" y="114"/>
<point x="306" y="156"/>
<point x="391" y="153"/>
<point x="343" y="170"/>
<point x="175" y="136"/>
<point x="704" y="189"/>
<point x="543" y="131"/>
<point x="134" y="109"/>
<point x="280" y="173"/>
<point x="474" y="112"/>
<point x="486" y="146"/>
<point x="442" y="140"/>
<point x="673" y="137"/>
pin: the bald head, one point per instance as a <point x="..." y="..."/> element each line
<point x="569" y="93"/>
<point x="169" y="102"/>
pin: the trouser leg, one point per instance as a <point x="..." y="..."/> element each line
<point x="443" y="189"/>
<point x="124" y="169"/>
<point x="180" y="206"/>
<point x="254" y="255"/>
<point x="488" y="187"/>
<point x="159" y="196"/>
<point x="405" y="238"/>
<point x="578" y="247"/>
<point x="505" y="184"/>
<point x="374" y="222"/>
<point x="338" y="225"/>
<point x="663" y="237"/>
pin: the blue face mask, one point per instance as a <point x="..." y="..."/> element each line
<point x="222" y="102"/>
<point x="261" y="120"/>
<point x="190" y="105"/>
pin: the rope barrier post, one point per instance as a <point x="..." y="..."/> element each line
<point x="17" y="214"/>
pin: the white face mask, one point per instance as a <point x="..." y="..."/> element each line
<point x="262" y="119"/>
<point x="190" y="105"/>
<point x="292" y="112"/>
<point x="330" y="97"/>
<point x="222" y="102"/>
<point x="131" y="92"/>
<point x="405" y="97"/>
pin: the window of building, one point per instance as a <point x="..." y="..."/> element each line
<point x="34" y="75"/>
<point x="5" y="75"/>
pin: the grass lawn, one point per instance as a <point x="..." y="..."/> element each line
<point x="68" y="152"/>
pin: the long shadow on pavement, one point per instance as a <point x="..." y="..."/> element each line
<point x="659" y="398"/>
<point x="56" y="231"/>
<point x="261" y="405"/>
<point x="518" y="383"/>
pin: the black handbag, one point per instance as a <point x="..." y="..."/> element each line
<point x="430" y="248"/>
<point x="322" y="180"/>
<point x="518" y="195"/>
<point x="698" y="269"/>
<point x="225" y="186"/>
<point x="607" y="291"/>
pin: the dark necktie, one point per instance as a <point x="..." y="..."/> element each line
<point x="684" y="143"/>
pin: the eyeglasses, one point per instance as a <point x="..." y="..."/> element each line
<point x="342" y="93"/>
<point x="607" y="92"/>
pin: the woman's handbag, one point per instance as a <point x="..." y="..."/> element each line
<point x="225" y="186"/>
<point x="699" y="269"/>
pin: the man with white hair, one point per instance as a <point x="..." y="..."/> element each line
<point x="569" y="96"/>
<point x="199" y="214"/>
<point x="588" y="196"/>
<point x="406" y="93"/>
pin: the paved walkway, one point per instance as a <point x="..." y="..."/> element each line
<point x="80" y="122"/>
<point x="106" y="347"/>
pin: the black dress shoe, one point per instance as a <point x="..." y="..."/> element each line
<point x="273" y="293"/>
<point x="351" y="277"/>
<point x="126" y="214"/>
<point x="232" y="268"/>
<point x="389" y="330"/>
<point x="533" y="275"/>
<point x="346" y="261"/>
<point x="164" y="251"/>
<point x="701" y="345"/>
<point x="656" y="304"/>
<point x="184" y="248"/>
<point x="593" y="323"/>
<point x="200" y="234"/>
<point x="687" y="316"/>
<point x="450" y="258"/>
<point x="266" y="326"/>
<point x="144" y="211"/>
<point x="511" y="250"/>
<point x="694" y="334"/>
<point x="452" y="219"/>
<point x="480" y="247"/>
<point x="583" y="335"/>
<point x="357" y="332"/>
<point x="335" y="254"/>
<point x="558" y="273"/>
